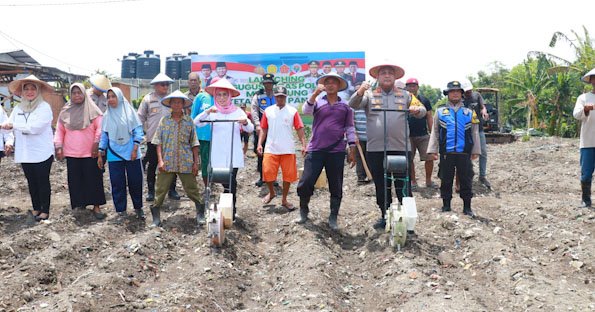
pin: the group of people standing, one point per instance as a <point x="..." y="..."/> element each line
<point x="99" y="126"/>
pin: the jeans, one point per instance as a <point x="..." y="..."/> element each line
<point x="587" y="164"/>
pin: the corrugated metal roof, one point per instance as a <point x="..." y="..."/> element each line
<point x="17" y="57"/>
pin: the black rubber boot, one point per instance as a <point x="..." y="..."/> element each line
<point x="200" y="213"/>
<point x="332" y="219"/>
<point x="156" y="216"/>
<point x="304" y="210"/>
<point x="586" y="188"/>
<point x="173" y="194"/>
<point x="150" y="191"/>
<point x="467" y="207"/>
<point x="445" y="205"/>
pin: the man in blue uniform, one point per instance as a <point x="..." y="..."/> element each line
<point x="455" y="135"/>
<point x="261" y="100"/>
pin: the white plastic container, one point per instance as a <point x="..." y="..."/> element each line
<point x="226" y="207"/>
<point x="410" y="209"/>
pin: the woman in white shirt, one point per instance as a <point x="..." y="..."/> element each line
<point x="31" y="123"/>
<point x="221" y="155"/>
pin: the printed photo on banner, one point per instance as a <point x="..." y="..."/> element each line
<point x="296" y="71"/>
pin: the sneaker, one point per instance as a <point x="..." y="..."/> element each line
<point x="380" y="224"/>
<point x="173" y="194"/>
<point x="485" y="182"/>
<point x="140" y="214"/>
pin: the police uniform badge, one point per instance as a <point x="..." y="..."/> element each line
<point x="263" y="101"/>
<point x="445" y="111"/>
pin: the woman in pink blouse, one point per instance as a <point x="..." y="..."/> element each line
<point x="77" y="138"/>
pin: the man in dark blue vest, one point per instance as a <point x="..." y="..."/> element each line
<point x="455" y="135"/>
<point x="261" y="100"/>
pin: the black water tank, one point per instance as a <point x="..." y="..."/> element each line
<point x="129" y="66"/>
<point x="173" y="66"/>
<point x="187" y="65"/>
<point x="148" y="65"/>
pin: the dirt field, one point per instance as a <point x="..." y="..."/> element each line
<point x="530" y="249"/>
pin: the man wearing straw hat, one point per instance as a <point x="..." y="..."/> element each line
<point x="99" y="85"/>
<point x="582" y="111"/>
<point x="177" y="154"/>
<point x="333" y="121"/>
<point x="150" y="112"/>
<point x="386" y="95"/>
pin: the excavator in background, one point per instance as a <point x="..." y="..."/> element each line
<point x="494" y="132"/>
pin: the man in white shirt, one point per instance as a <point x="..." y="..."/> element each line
<point x="582" y="111"/>
<point x="279" y="150"/>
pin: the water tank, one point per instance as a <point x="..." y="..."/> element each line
<point x="187" y="65"/>
<point x="129" y="66"/>
<point x="148" y="65"/>
<point x="173" y="66"/>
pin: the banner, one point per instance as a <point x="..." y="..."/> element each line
<point x="296" y="71"/>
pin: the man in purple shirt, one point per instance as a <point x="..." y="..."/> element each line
<point x="333" y="121"/>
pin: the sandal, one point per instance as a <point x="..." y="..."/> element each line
<point x="288" y="206"/>
<point x="267" y="199"/>
<point x="39" y="218"/>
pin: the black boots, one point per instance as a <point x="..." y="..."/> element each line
<point x="156" y="216"/>
<point x="467" y="207"/>
<point x="150" y="191"/>
<point x="586" y="188"/>
<point x="445" y="205"/>
<point x="332" y="219"/>
<point x="200" y="213"/>
<point x="304" y="210"/>
<point x="173" y="194"/>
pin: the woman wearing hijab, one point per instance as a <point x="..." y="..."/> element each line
<point x="77" y="138"/>
<point x="31" y="123"/>
<point x="121" y="135"/>
<point x="222" y="91"/>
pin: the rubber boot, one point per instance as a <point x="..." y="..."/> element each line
<point x="173" y="194"/>
<point x="200" y="213"/>
<point x="156" y="216"/>
<point x="150" y="191"/>
<point x="586" y="188"/>
<point x="445" y="205"/>
<point x="467" y="207"/>
<point x="304" y="210"/>
<point x="332" y="219"/>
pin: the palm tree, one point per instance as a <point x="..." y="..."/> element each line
<point x="529" y="82"/>
<point x="583" y="51"/>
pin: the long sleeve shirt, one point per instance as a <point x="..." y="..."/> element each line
<point x="221" y="146"/>
<point x="396" y="121"/>
<point x="150" y="112"/>
<point x="33" y="134"/>
<point x="125" y="150"/>
<point x="331" y="124"/>
<point x="5" y="135"/>
<point x="202" y="102"/>
<point x="587" y="121"/>
<point x="78" y="143"/>
<point x="434" y="144"/>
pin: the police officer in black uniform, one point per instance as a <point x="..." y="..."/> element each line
<point x="455" y="135"/>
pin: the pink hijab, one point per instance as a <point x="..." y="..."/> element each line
<point x="228" y="108"/>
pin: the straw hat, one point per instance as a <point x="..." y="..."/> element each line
<point x="342" y="82"/>
<point x="16" y="87"/>
<point x="222" y="84"/>
<point x="176" y="95"/>
<point x="587" y="78"/>
<point x="399" y="72"/>
<point x="100" y="82"/>
<point x="161" y="78"/>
